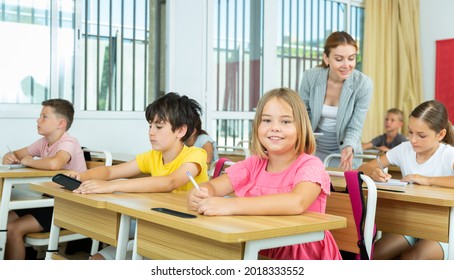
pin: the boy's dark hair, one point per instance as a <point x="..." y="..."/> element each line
<point x="62" y="107"/>
<point x="177" y="110"/>
<point x="198" y="127"/>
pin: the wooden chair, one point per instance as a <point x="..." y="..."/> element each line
<point x="359" y="235"/>
<point x="41" y="239"/>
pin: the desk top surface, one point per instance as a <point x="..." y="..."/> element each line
<point x="435" y="195"/>
<point x="226" y="229"/>
<point x="57" y="191"/>
<point x="28" y="172"/>
<point x="221" y="228"/>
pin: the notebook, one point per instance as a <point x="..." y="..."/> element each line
<point x="12" y="166"/>
<point x="392" y="185"/>
<point x="392" y="182"/>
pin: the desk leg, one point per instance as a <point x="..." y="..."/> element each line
<point x="123" y="237"/>
<point x="135" y="255"/>
<point x="451" y="235"/>
<point x="253" y="247"/>
<point x="54" y="235"/>
<point x="4" y="209"/>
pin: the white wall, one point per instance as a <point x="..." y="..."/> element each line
<point x="437" y="23"/>
<point x="105" y="131"/>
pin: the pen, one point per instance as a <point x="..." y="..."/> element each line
<point x="379" y="164"/>
<point x="9" y="149"/>
<point x="192" y="180"/>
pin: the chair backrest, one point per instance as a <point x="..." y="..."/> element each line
<point x="359" y="235"/>
<point x="217" y="167"/>
<point x="94" y="157"/>
<point x="330" y="157"/>
<point x="364" y="213"/>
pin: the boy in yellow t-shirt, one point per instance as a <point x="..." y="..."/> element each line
<point x="171" y="118"/>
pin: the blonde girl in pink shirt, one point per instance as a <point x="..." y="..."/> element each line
<point x="282" y="177"/>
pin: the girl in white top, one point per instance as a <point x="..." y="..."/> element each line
<point x="426" y="159"/>
<point x="200" y="139"/>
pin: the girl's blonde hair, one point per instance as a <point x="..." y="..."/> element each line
<point x="305" y="142"/>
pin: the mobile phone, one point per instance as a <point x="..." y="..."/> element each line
<point x="66" y="181"/>
<point x="174" y="213"/>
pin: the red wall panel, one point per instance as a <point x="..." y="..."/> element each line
<point x="444" y="75"/>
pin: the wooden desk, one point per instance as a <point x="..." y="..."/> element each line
<point x="233" y="156"/>
<point x="121" y="158"/>
<point x="87" y="215"/>
<point x="421" y="211"/>
<point x="163" y="236"/>
<point x="20" y="198"/>
<point x="117" y="158"/>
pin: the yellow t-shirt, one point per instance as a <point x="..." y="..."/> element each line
<point x="151" y="162"/>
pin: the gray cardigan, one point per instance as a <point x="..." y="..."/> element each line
<point x="353" y="105"/>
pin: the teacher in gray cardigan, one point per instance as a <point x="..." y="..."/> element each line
<point x="337" y="97"/>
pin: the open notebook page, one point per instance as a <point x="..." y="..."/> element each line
<point x="392" y="182"/>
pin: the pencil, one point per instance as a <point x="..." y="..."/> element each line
<point x="380" y="165"/>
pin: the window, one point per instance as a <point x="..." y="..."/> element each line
<point x="115" y="54"/>
<point x="27" y="61"/>
<point x="96" y="53"/>
<point x="239" y="60"/>
<point x="295" y="35"/>
<point x="304" y="26"/>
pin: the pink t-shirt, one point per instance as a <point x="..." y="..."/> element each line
<point x="66" y="143"/>
<point x="250" y="178"/>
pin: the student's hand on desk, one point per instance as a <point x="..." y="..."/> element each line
<point x="383" y="149"/>
<point x="74" y="174"/>
<point x="378" y="175"/>
<point x="216" y="206"/>
<point x="10" y="158"/>
<point x="26" y="160"/>
<point x="195" y="196"/>
<point x="95" y="186"/>
<point x="416" y="178"/>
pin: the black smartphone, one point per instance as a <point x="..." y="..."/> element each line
<point x="66" y="181"/>
<point x="174" y="213"/>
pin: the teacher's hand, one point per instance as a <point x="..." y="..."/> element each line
<point x="346" y="161"/>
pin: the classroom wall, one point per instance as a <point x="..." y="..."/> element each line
<point x="107" y="131"/>
<point x="436" y="24"/>
<point x="127" y="133"/>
